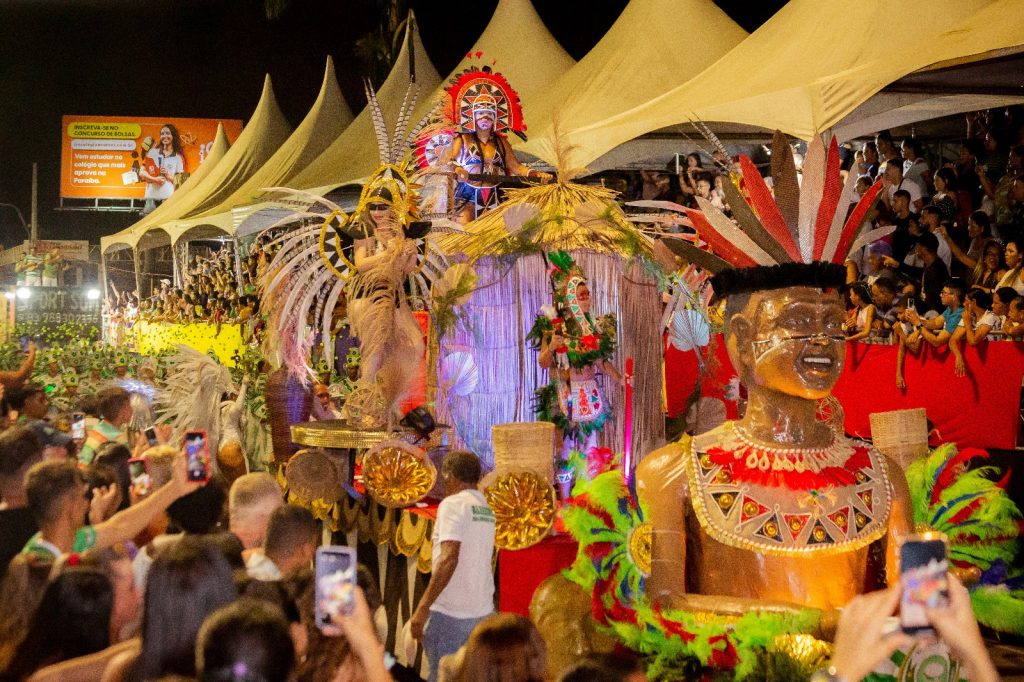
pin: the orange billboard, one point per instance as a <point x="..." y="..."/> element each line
<point x="124" y="157"/>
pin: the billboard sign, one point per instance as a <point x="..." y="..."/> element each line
<point x="57" y="315"/>
<point x="122" y="157"/>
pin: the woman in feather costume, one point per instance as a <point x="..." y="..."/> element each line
<point x="390" y="340"/>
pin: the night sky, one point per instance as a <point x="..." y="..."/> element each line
<point x="206" y="59"/>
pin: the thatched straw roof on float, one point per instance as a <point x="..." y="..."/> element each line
<point x="505" y="247"/>
<point x="558" y="216"/>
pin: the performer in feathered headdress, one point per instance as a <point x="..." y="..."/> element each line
<point x="370" y="257"/>
<point x="576" y="349"/>
<point x="483" y="108"/>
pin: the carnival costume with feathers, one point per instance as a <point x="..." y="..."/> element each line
<point x="454" y="139"/>
<point x="191" y="400"/>
<point x="576" y="405"/>
<point x="315" y="267"/>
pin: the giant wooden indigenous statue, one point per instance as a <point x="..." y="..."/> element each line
<point x="777" y="509"/>
<point x="776" y="519"/>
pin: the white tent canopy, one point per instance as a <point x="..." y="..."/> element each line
<point x="646" y="52"/>
<point x="813" y="63"/>
<point x="515" y="41"/>
<point x="326" y="120"/>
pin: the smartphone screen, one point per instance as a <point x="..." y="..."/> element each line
<point x="136" y="468"/>
<point x="335" y="582"/>
<point x="924" y="581"/>
<point x="198" y="456"/>
<point x="78" y="426"/>
<point x="151" y="436"/>
<point x="24" y="343"/>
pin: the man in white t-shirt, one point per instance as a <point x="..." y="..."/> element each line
<point x="461" y="589"/>
<point x="894" y="181"/>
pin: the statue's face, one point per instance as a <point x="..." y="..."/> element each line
<point x="791" y="341"/>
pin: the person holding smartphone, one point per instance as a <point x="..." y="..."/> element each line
<point x="58" y="498"/>
<point x="862" y="641"/>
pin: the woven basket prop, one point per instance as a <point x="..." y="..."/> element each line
<point x="519" y="490"/>
<point x="901" y="434"/>
<point x="288" y="402"/>
<point x="397" y="474"/>
<point x="526" y="446"/>
<point x="313" y="475"/>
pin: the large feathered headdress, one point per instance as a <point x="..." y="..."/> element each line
<point x="392" y="183"/>
<point x="798" y="237"/>
<point x="479" y="89"/>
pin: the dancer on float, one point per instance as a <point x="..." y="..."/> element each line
<point x="576" y="349"/>
<point x="390" y="340"/>
<point x="484" y="108"/>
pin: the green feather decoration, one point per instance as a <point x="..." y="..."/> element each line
<point x="999" y="609"/>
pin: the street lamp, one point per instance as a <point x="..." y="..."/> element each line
<point x="24" y="225"/>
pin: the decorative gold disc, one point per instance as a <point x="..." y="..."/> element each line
<point x="397" y="474"/>
<point x="640" y="547"/>
<point x="524" y="509"/>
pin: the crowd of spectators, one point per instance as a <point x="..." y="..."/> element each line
<point x="951" y="271"/>
<point x="211" y="292"/>
<point x="121" y="568"/>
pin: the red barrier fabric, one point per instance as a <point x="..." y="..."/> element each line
<point x="981" y="409"/>
<point x="521" y="571"/>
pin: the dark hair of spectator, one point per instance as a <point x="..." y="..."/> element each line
<point x="861" y="290"/>
<point x="46" y="484"/>
<point x="21" y="589"/>
<point x="914" y="146"/>
<point x="948" y="177"/>
<point x="110" y="401"/>
<point x="19" y="446"/>
<point x="956" y="285"/>
<point x="246" y="640"/>
<point x="608" y="667"/>
<point x="982" y="299"/>
<point x="901" y="194"/>
<point x="188" y="581"/>
<point x="972" y="146"/>
<point x="463" y="465"/>
<point x="981" y="219"/>
<point x="16" y="398"/>
<point x="230" y="546"/>
<point x="1006" y="295"/>
<point x="886" y="284"/>
<point x="199" y="512"/>
<point x="72" y="620"/>
<point x="115" y="456"/>
<point x="929" y="241"/>
<point x="504" y="643"/>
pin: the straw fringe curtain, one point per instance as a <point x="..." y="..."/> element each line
<point x="501" y="313"/>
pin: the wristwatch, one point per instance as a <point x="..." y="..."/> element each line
<point x="828" y="674"/>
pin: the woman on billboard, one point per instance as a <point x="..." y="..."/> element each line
<point x="163" y="162"/>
